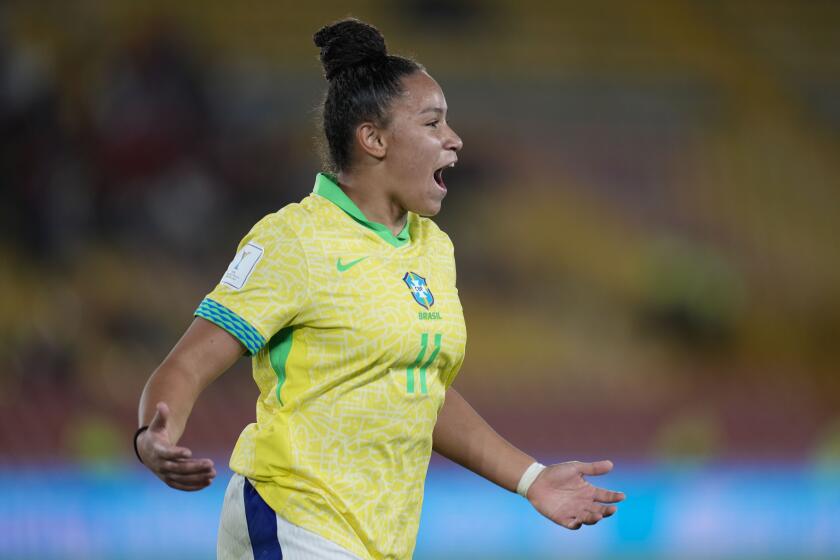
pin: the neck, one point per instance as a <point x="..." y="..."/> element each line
<point x="370" y="194"/>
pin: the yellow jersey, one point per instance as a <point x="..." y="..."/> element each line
<point x="355" y="333"/>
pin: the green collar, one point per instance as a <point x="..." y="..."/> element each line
<point x="327" y="186"/>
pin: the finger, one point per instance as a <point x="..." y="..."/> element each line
<point x="185" y="466"/>
<point x="607" y="511"/>
<point x="607" y="496"/>
<point x="171" y="452"/>
<point x="191" y="466"/>
<point x="603" y="511"/>
<point x="186" y="487"/>
<point x="596" y="468"/>
<point x="572" y="524"/>
<point x="161" y="417"/>
<point x="591" y="518"/>
<point x="170" y="467"/>
<point x="202" y="479"/>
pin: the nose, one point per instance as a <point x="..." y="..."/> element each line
<point x="453" y="141"/>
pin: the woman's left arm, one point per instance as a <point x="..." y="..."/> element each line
<point x="560" y="492"/>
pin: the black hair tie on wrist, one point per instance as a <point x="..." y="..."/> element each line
<point x="136" y="435"/>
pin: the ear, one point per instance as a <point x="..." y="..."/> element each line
<point x="372" y="140"/>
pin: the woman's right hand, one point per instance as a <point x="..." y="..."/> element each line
<point x="172" y="464"/>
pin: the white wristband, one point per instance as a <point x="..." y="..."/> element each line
<point x="528" y="478"/>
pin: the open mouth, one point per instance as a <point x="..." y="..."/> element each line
<point x="439" y="178"/>
<point x="438" y="175"/>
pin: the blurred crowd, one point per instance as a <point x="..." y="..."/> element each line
<point x="644" y="215"/>
<point x="125" y="185"/>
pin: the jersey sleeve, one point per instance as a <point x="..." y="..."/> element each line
<point x="265" y="285"/>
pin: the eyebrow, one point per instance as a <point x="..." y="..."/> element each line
<point x="437" y="110"/>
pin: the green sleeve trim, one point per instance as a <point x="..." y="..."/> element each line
<point x="217" y="313"/>
<point x="279" y="348"/>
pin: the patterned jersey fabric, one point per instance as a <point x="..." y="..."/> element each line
<point x="355" y="335"/>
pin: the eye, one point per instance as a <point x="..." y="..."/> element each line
<point x="433" y="124"/>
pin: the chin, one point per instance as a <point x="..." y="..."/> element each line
<point x="429" y="210"/>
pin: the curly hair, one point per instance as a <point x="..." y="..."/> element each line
<point x="363" y="79"/>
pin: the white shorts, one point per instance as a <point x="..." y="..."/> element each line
<point x="250" y="530"/>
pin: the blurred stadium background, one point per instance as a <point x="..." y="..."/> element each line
<point x="645" y="218"/>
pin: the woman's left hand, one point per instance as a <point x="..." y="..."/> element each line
<point x="562" y="494"/>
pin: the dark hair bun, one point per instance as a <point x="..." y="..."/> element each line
<point x="348" y="43"/>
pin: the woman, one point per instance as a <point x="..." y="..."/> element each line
<point x="347" y="303"/>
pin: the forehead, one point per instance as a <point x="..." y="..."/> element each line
<point x="421" y="92"/>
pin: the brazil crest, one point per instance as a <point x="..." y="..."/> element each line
<point x="419" y="289"/>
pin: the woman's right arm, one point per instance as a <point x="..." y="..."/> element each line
<point x="203" y="354"/>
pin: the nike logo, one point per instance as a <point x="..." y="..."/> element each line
<point x="344" y="267"/>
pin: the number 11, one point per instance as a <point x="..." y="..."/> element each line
<point x="424" y="343"/>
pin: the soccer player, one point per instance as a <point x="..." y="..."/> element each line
<point x="347" y="304"/>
